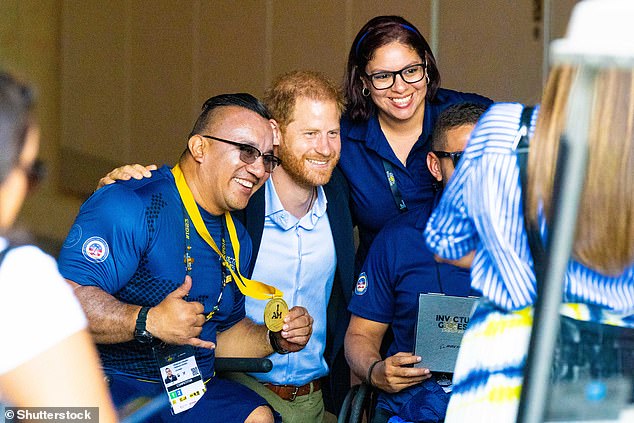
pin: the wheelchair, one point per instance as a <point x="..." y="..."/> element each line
<point x="359" y="404"/>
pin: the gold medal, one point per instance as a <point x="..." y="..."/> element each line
<point x="274" y="313"/>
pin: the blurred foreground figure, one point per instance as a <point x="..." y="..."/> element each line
<point x="44" y="330"/>
<point x="599" y="283"/>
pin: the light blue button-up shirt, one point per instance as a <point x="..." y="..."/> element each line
<point x="299" y="259"/>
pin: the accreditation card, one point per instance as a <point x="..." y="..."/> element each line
<point x="180" y="376"/>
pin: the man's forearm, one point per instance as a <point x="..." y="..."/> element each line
<point x="110" y="320"/>
<point x="360" y="354"/>
<point x="244" y="339"/>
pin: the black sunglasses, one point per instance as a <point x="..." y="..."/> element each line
<point x="249" y="154"/>
<point x="455" y="156"/>
<point x="35" y="173"/>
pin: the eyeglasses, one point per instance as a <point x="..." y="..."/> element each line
<point x="35" y="173"/>
<point x="384" y="80"/>
<point x="455" y="156"/>
<point x="249" y="154"/>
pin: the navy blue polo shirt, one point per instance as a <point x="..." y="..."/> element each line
<point x="398" y="267"/>
<point x="363" y="149"/>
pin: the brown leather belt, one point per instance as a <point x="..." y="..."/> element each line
<point x="290" y="392"/>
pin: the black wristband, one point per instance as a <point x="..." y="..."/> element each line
<point x="276" y="344"/>
<point x="368" y="379"/>
<point x="141" y="333"/>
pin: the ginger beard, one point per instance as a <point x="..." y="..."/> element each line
<point x="310" y="169"/>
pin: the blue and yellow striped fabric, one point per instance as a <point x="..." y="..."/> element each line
<point x="488" y="375"/>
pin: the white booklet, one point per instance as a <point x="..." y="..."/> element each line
<point x="442" y="320"/>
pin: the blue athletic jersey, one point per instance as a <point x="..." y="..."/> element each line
<point x="129" y="240"/>
<point x="398" y="267"/>
<point x="363" y="149"/>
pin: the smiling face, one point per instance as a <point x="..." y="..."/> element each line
<point x="402" y="101"/>
<point x="224" y="182"/>
<point x="311" y="142"/>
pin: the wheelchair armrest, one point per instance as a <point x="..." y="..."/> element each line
<point x="256" y="365"/>
<point x="358" y="403"/>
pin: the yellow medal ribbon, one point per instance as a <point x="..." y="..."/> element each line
<point x="249" y="287"/>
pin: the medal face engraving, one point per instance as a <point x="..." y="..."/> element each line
<point x="274" y="312"/>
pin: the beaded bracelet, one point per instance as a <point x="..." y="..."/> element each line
<point x="369" y="378"/>
<point x="275" y="344"/>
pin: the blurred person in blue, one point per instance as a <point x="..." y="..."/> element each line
<point x="482" y="210"/>
<point x="393" y="99"/>
<point x="134" y="242"/>
<point x="398" y="267"/>
<point x="43" y="327"/>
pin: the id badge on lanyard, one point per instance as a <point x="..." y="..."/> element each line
<point x="180" y="376"/>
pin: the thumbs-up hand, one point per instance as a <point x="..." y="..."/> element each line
<point x="176" y="321"/>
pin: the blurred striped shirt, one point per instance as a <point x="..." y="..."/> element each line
<point x="481" y="209"/>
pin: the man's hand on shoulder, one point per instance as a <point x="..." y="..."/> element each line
<point x="176" y="321"/>
<point x="125" y="173"/>
<point x="297" y="329"/>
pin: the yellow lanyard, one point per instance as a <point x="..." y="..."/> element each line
<point x="249" y="287"/>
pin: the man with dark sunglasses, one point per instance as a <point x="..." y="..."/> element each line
<point x="398" y="267"/>
<point x="449" y="139"/>
<point x="134" y="242"/>
<point x="249" y="154"/>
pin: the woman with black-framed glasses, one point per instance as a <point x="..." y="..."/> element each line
<point x="392" y="87"/>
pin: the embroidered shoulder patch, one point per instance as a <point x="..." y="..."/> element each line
<point x="95" y="249"/>
<point x="73" y="236"/>
<point x="362" y="284"/>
